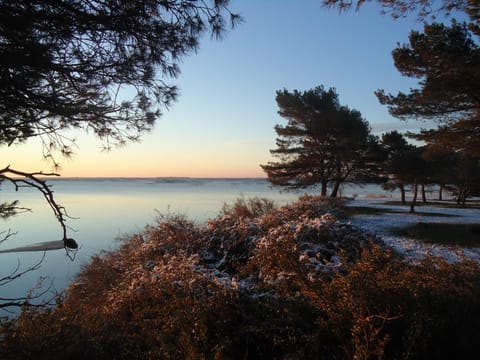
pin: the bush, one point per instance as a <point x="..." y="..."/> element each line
<point x="289" y="283"/>
<point x="247" y="208"/>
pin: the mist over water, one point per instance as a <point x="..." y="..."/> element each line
<point x="103" y="210"/>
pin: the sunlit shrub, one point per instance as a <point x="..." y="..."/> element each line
<point x="288" y="283"/>
<point x="251" y="207"/>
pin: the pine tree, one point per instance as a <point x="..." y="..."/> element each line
<point x="324" y="143"/>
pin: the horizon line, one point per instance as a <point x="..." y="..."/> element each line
<point x="155" y="177"/>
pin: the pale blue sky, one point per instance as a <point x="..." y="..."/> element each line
<point x="222" y="124"/>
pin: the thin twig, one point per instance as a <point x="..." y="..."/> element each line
<point x="15" y="274"/>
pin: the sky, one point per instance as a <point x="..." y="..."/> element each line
<point x="222" y="124"/>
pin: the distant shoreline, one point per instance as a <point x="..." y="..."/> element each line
<point x="173" y="178"/>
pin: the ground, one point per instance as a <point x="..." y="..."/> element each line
<point x="397" y="216"/>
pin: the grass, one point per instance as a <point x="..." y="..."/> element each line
<point x="472" y="204"/>
<point x="459" y="234"/>
<point x="467" y="235"/>
<point x="372" y="210"/>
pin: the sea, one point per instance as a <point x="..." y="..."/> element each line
<point x="102" y="211"/>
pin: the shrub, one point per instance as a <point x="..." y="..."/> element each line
<point x="292" y="283"/>
<point x="247" y="208"/>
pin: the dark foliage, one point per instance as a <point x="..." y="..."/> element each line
<point x="446" y="60"/>
<point x="447" y="63"/>
<point x="97" y="65"/>
<point x="422" y="8"/>
<point x="324" y="143"/>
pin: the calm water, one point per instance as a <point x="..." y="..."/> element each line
<point x="106" y="209"/>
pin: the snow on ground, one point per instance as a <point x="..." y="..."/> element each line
<point x="381" y="224"/>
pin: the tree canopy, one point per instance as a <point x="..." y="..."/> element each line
<point x="323" y="142"/>
<point x="97" y="65"/>
<point x="446" y="61"/>
<point x="422" y="8"/>
<point x="395" y="147"/>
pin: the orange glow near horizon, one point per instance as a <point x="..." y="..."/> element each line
<point x="137" y="161"/>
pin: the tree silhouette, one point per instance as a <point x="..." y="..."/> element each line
<point x="422" y="8"/>
<point x="324" y="143"/>
<point x="97" y="65"/>
<point x="395" y="147"/>
<point x="446" y="60"/>
<point x="453" y="163"/>
<point x="447" y="63"/>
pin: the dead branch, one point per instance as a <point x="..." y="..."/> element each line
<point x="16" y="273"/>
<point x="38" y="292"/>
<point x="21" y="179"/>
<point x="8" y="235"/>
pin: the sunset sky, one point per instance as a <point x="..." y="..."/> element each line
<point x="222" y="124"/>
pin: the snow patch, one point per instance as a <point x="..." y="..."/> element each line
<point x="381" y="224"/>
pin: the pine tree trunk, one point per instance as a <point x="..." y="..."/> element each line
<point x="324" y="188"/>
<point x="415" y="194"/>
<point x="466" y="191"/>
<point x="462" y="195"/>
<point x="424" y="196"/>
<point x="463" y="198"/>
<point x="336" y="186"/>
<point x="402" y="192"/>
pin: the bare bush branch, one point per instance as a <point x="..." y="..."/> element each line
<point x="16" y="273"/>
<point x="36" y="296"/>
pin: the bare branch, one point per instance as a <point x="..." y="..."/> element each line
<point x="36" y="295"/>
<point x="8" y="235"/>
<point x="24" y="179"/>
<point x="15" y="274"/>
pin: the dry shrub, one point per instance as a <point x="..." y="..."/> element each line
<point x="312" y="207"/>
<point x="388" y="308"/>
<point x="247" y="208"/>
<point x="248" y="288"/>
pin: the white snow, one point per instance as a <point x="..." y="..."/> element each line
<point x="380" y="224"/>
